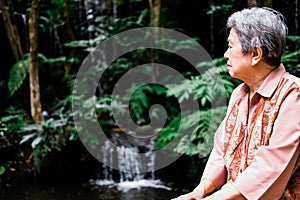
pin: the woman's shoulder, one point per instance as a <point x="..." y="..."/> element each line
<point x="292" y="78"/>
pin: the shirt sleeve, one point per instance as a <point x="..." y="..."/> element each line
<point x="273" y="165"/>
<point x="215" y="169"/>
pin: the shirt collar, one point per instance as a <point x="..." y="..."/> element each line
<point x="271" y="82"/>
<point x="268" y="86"/>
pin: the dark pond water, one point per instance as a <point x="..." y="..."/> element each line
<point x="86" y="192"/>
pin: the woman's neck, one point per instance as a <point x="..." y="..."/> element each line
<point x="258" y="76"/>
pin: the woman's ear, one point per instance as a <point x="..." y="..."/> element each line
<point x="257" y="55"/>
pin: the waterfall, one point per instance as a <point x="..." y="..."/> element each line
<point x="89" y="12"/>
<point x="115" y="12"/>
<point x="57" y="41"/>
<point x="107" y="161"/>
<point x="24" y="18"/>
<point x="296" y="16"/>
<point x="128" y="161"/>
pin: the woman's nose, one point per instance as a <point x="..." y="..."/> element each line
<point x="226" y="54"/>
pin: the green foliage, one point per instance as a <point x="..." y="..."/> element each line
<point x="15" y="125"/>
<point x="17" y="75"/>
<point x="62" y="59"/>
<point x="145" y="97"/>
<point x="16" y="131"/>
<point x="11" y="121"/>
<point x="31" y="141"/>
<point x="106" y="26"/>
<point x="20" y="69"/>
<point x="219" y="8"/>
<point x="206" y="89"/>
<point x="51" y="135"/>
<point x="291" y="55"/>
<point x="2" y="170"/>
<point x="52" y="16"/>
<point x="200" y="141"/>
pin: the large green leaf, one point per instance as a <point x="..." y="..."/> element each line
<point x="17" y="75"/>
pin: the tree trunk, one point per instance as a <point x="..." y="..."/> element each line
<point x="260" y="3"/>
<point x="212" y="28"/>
<point x="269" y="3"/>
<point x="71" y="34"/>
<point x="11" y="30"/>
<point x="155" y="12"/>
<point x="154" y="21"/>
<point x="35" y="99"/>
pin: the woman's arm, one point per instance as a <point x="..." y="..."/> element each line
<point x="205" y="187"/>
<point x="214" y="175"/>
<point x="227" y="192"/>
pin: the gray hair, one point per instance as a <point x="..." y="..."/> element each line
<point x="261" y="27"/>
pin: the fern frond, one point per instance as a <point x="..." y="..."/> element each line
<point x="17" y="75"/>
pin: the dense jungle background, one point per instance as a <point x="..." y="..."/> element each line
<point x="42" y="46"/>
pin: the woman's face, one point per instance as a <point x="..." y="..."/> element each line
<point x="238" y="64"/>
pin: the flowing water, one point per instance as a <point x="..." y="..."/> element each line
<point x="111" y="184"/>
<point x="85" y="192"/>
<point x="126" y="184"/>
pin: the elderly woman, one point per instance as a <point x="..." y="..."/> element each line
<point x="256" y="150"/>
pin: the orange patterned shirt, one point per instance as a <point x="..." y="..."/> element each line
<point x="257" y="145"/>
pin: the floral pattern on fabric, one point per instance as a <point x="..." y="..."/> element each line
<point x="241" y="142"/>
